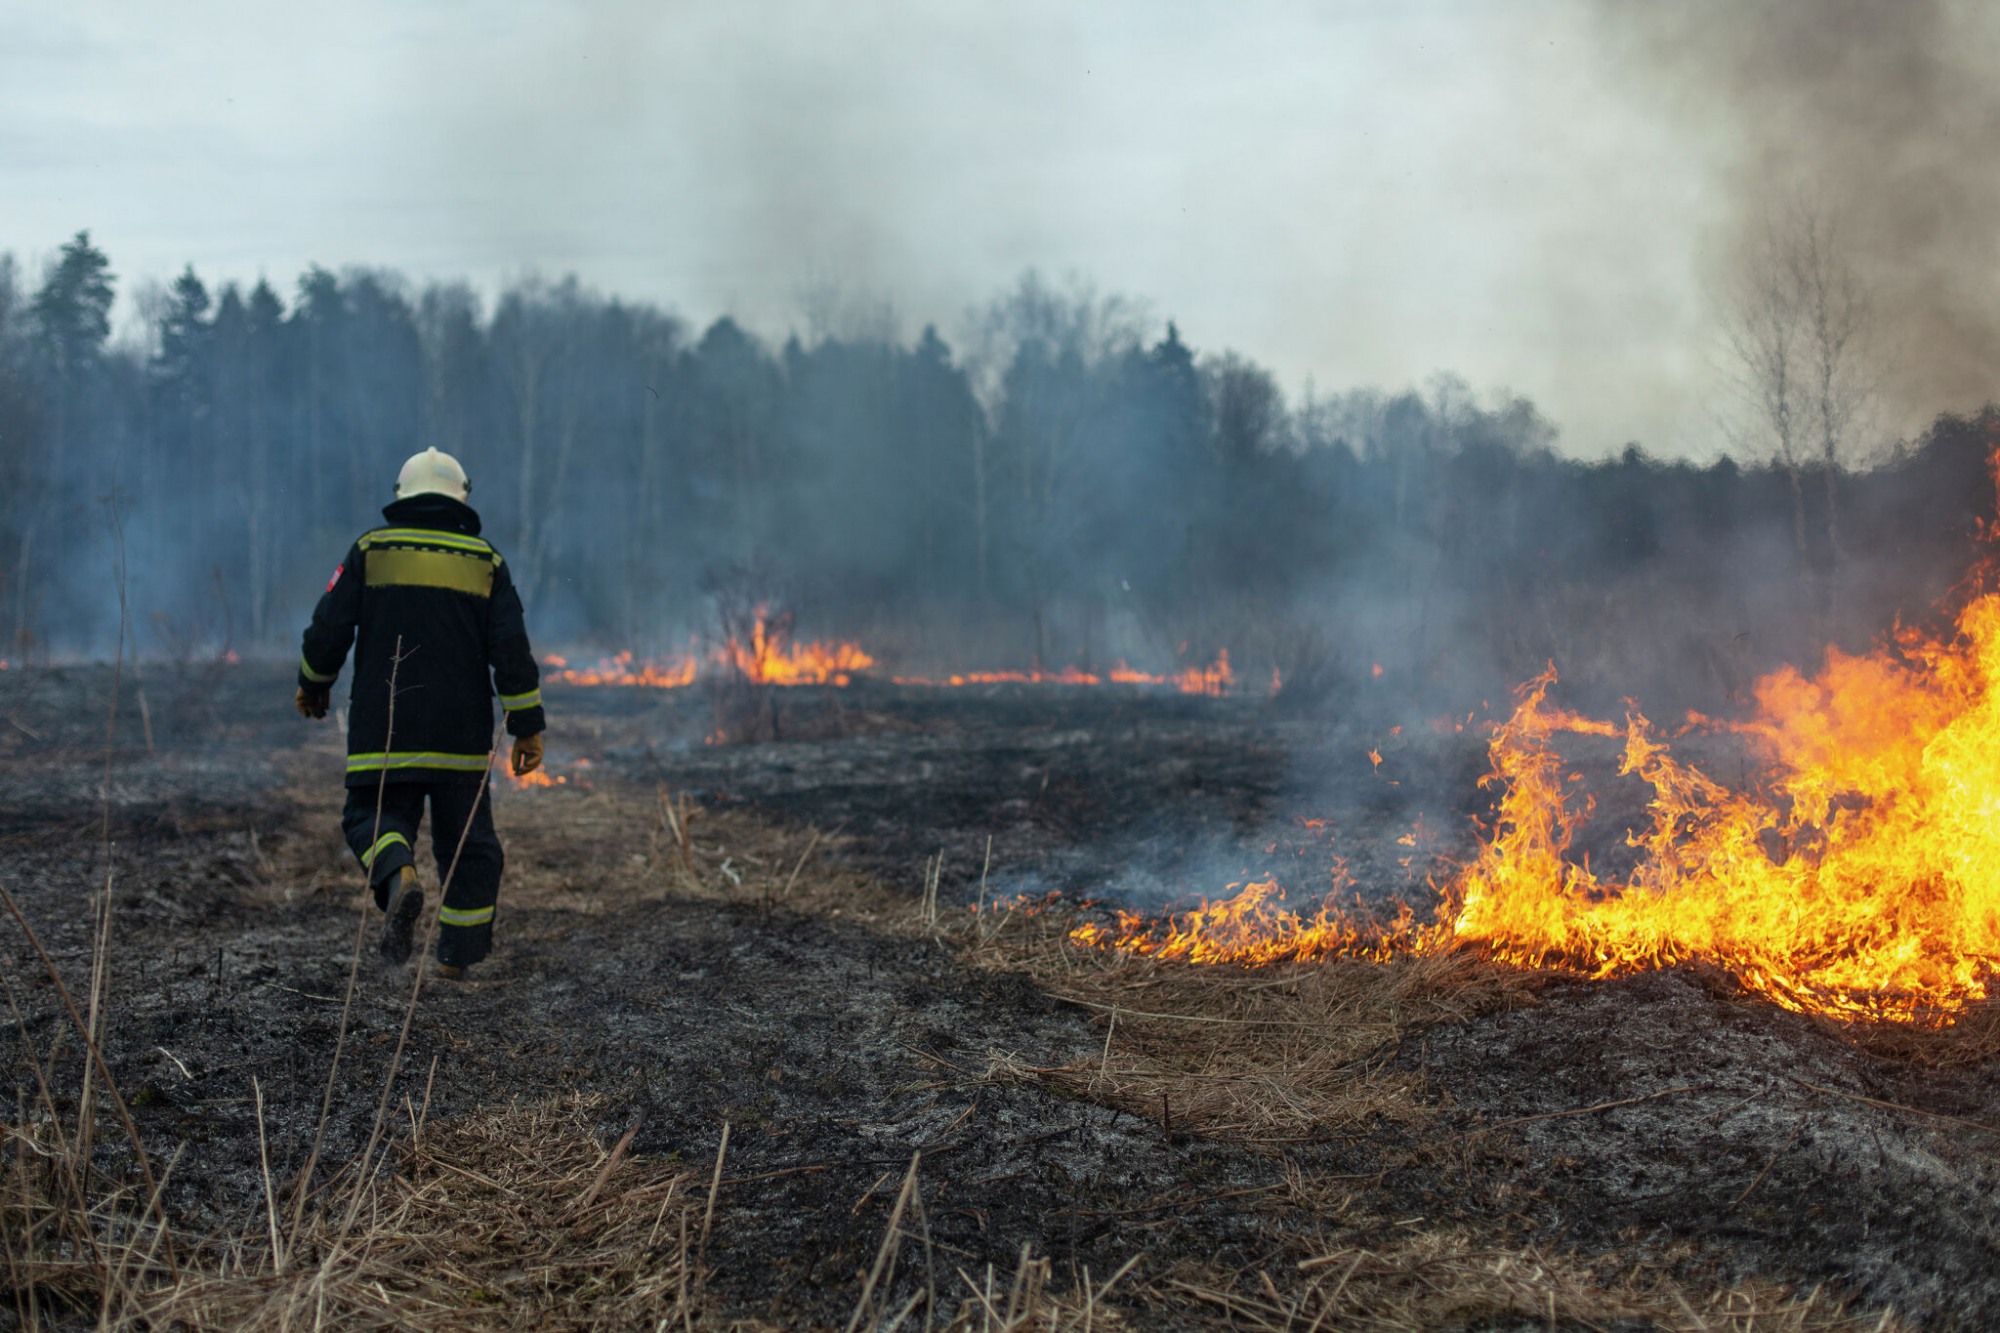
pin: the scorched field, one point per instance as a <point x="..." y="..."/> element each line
<point x="897" y="1018"/>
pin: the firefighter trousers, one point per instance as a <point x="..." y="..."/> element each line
<point x="461" y="831"/>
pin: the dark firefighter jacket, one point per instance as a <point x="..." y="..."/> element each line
<point x="431" y="603"/>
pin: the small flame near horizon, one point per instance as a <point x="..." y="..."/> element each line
<point x="1214" y="680"/>
<point x="768" y="656"/>
<point x="765" y="655"/>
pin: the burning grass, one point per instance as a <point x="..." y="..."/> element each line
<point x="757" y="649"/>
<point x="1856" y="878"/>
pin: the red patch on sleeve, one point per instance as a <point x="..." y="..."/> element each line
<point x="338" y="570"/>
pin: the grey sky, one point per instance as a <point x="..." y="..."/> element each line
<point x="1360" y="193"/>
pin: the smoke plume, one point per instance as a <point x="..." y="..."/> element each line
<point x="1882" y="118"/>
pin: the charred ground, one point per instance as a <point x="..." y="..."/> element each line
<point x="773" y="970"/>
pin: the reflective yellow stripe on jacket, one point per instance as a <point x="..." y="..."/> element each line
<point x="391" y="567"/>
<point x="427" y="537"/>
<point x="369" y="763"/>
<point x="514" y="703"/>
<point x="475" y="916"/>
<point x="305" y="669"/>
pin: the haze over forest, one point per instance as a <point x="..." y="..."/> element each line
<point x="1082" y="486"/>
<point x="824" y="345"/>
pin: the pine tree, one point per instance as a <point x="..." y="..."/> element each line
<point x="72" y="321"/>
<point x="72" y="310"/>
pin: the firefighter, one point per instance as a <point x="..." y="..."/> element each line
<point x="431" y="610"/>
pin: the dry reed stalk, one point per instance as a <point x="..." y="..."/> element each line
<point x="61" y="1200"/>
<point x="303" y="1185"/>
<point x="95" y="1055"/>
<point x="883" y="1271"/>
<point x="791" y="880"/>
<point x="714" y="1189"/>
<point x="1028" y="1304"/>
<point x="418" y="975"/>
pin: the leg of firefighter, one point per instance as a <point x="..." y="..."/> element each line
<point x="383" y="844"/>
<point x="465" y="923"/>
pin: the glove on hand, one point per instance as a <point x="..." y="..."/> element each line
<point x="527" y="754"/>
<point x="311" y="702"/>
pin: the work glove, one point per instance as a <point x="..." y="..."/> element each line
<point x="311" y="702"/>
<point x="527" y="754"/>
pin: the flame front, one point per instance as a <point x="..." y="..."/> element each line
<point x="1857" y="877"/>
<point x="1860" y="879"/>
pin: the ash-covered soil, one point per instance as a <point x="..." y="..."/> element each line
<point x="764" y="977"/>
<point x="1765" y="1136"/>
<point x="1132" y="794"/>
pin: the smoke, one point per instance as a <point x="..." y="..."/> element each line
<point x="1880" y="117"/>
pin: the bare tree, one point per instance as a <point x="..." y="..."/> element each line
<point x="1797" y="329"/>
<point x="1836" y="314"/>
<point x="1764" y="354"/>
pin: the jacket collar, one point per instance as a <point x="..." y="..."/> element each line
<point x="433" y="511"/>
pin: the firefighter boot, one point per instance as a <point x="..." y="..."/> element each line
<point x="450" y="971"/>
<point x="406" y="904"/>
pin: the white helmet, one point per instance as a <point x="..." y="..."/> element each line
<point x="432" y="473"/>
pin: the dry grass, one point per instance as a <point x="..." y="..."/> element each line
<point x="1971" y="1038"/>
<point x="70" y="1240"/>
<point x="1026" y="1302"/>
<point x="583" y="850"/>
<point x="512" y="1219"/>
<point x="1266" y="1054"/>
<point x="1280" y="1053"/>
<point x="1446" y="1280"/>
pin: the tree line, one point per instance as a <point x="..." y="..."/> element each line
<point x="1076" y="483"/>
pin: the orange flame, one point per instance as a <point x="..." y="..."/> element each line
<point x="1120" y="674"/>
<point x="769" y="658"/>
<point x="1216" y="679"/>
<point x="1859" y="878"/>
<point x="1254" y="928"/>
<point x="1862" y="878"/>
<point x="663" y="674"/>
